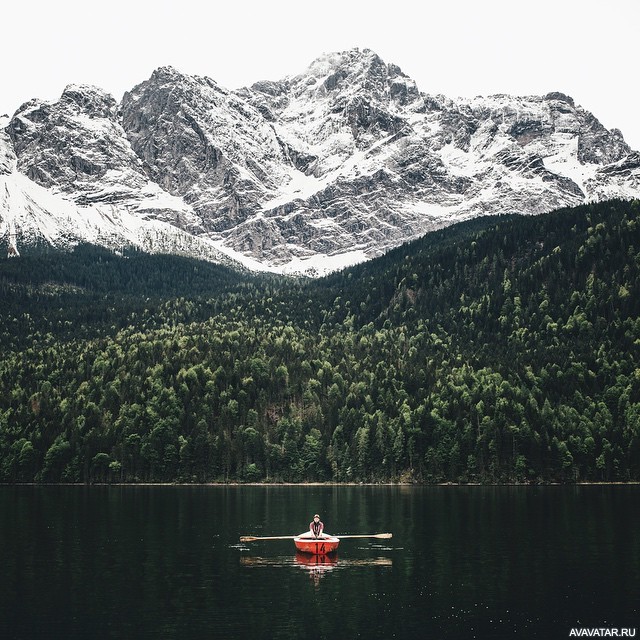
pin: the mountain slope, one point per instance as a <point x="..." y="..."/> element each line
<point x="333" y="166"/>
<point x="497" y="350"/>
<point x="69" y="175"/>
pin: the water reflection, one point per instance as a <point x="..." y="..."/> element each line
<point x="317" y="566"/>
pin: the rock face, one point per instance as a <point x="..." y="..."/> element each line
<point x="68" y="174"/>
<point x="204" y="144"/>
<point x="307" y="174"/>
<point x="78" y="147"/>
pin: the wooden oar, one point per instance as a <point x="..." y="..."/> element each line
<point x="252" y="538"/>
<point x="367" y="535"/>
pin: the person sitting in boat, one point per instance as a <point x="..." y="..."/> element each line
<point x="316" y="527"/>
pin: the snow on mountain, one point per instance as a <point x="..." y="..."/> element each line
<point x="68" y="175"/>
<point x="307" y="174"/>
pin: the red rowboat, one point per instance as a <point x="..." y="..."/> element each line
<point x="317" y="546"/>
<point x="307" y="543"/>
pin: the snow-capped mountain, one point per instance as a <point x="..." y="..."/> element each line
<point x="307" y="174"/>
<point x="68" y="174"/>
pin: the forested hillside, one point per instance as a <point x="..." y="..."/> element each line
<point x="498" y="350"/>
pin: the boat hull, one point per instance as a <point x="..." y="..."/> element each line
<point x="317" y="546"/>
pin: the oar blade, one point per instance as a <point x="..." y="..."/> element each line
<point x="252" y="538"/>
<point x="367" y="535"/>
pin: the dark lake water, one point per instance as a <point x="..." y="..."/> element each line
<point x="464" y="562"/>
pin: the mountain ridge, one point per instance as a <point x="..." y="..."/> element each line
<point x="308" y="174"/>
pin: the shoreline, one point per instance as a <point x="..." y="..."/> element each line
<point x="319" y="484"/>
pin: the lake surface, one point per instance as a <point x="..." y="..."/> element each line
<point x="464" y="562"/>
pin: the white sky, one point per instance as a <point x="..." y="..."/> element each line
<point x="585" y="48"/>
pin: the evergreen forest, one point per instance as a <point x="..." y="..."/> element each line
<point x="502" y="349"/>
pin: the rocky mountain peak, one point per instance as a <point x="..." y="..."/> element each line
<point x="562" y="97"/>
<point x="357" y="72"/>
<point x="352" y="62"/>
<point x="90" y="100"/>
<point x="173" y="77"/>
<point x="334" y="165"/>
<point x="71" y="143"/>
<point x="203" y="143"/>
<point x="166" y="73"/>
